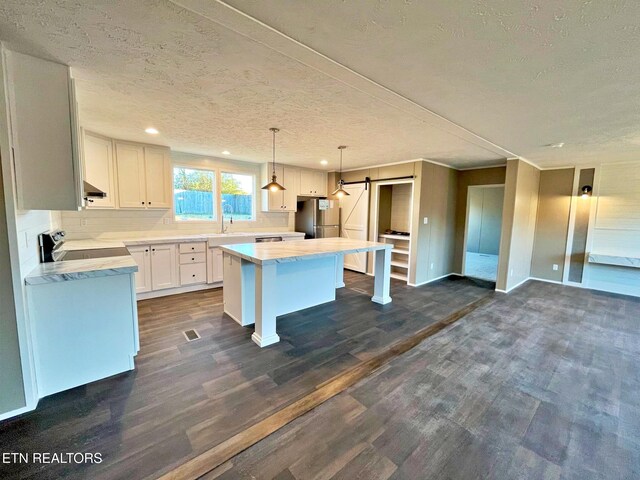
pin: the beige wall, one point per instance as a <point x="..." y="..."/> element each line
<point x="552" y="224"/>
<point x="435" y="242"/>
<point x="466" y="178"/>
<point x="518" y="224"/>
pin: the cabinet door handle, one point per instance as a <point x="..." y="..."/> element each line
<point x="149" y="203"/>
<point x="194" y="275"/>
<point x="153" y="249"/>
<point x="142" y="203"/>
<point x="147" y="251"/>
<point x="193" y="259"/>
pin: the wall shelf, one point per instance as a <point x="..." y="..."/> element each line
<point x="400" y="251"/>
<point x="396" y="263"/>
<point x="395" y="237"/>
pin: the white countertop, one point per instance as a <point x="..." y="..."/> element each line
<point x="291" y="251"/>
<point x="214" y="239"/>
<point x="99" y="267"/>
<point x="80" y="269"/>
<point x="632" y="262"/>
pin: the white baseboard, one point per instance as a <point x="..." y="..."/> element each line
<point x="18" y="411"/>
<point x="515" y="286"/>
<point x="545" y="280"/>
<point x="433" y="280"/>
<point x="177" y="290"/>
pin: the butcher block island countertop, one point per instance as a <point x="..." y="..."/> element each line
<point x="279" y="252"/>
<point x="265" y="280"/>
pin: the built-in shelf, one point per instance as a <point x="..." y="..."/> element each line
<point x="398" y="276"/>
<point x="396" y="263"/>
<point x="395" y="237"/>
<point x="400" y="251"/>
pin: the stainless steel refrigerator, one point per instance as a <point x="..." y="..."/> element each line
<point x="318" y="218"/>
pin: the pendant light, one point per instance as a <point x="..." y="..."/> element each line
<point x="341" y="192"/>
<point x="274" y="186"/>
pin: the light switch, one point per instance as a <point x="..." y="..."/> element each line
<point x="165" y="221"/>
<point x="83" y="222"/>
<point x="426" y="220"/>
<point x="555" y="266"/>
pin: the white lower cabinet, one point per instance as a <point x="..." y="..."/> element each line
<point x="214" y="266"/>
<point x="193" y="273"/>
<point x="142" y="256"/>
<point x="164" y="267"/>
<point x="193" y="263"/>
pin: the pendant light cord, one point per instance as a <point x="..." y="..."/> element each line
<point x="274" y="130"/>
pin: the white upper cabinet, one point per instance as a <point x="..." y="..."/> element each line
<point x="297" y="182"/>
<point x="291" y="180"/>
<point x="144" y="176"/>
<point x="131" y="175"/>
<point x="44" y="133"/>
<point x="313" y="183"/>
<point x="99" y="169"/>
<point x="158" y="177"/>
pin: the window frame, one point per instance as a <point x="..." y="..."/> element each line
<point x="216" y="196"/>
<point x="254" y="194"/>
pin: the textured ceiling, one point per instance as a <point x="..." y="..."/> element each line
<point x="465" y="83"/>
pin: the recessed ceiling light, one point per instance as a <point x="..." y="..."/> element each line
<point x="226" y="152"/>
<point x="323" y="162"/>
<point x="151" y="131"/>
<point x="556" y="145"/>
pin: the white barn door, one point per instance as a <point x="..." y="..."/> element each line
<point x="354" y="214"/>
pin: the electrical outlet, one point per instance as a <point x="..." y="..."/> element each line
<point x="555" y="267"/>
<point x="83" y="222"/>
<point x="511" y="273"/>
<point x="165" y="221"/>
<point x="26" y="240"/>
<point x="426" y="220"/>
<point x="432" y="266"/>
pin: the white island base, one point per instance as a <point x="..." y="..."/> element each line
<point x="263" y="281"/>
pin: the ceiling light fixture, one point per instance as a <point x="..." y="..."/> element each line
<point x="151" y="131"/>
<point x="323" y="162"/>
<point x="586" y="191"/>
<point x="556" y="145"/>
<point x="340" y="191"/>
<point x="274" y="186"/>
<point x="226" y="152"/>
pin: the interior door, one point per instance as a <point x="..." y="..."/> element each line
<point x="355" y="215"/>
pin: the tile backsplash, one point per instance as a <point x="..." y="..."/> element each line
<point x="142" y="223"/>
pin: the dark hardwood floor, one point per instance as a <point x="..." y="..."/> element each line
<point x="543" y="383"/>
<point x="184" y="398"/>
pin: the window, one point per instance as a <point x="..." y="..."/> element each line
<point x="237" y="196"/>
<point x="194" y="194"/>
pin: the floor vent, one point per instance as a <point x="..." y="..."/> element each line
<point x="191" y="335"/>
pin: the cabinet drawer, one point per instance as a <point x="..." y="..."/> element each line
<point x="194" y="273"/>
<point x="193" y="247"/>
<point x="186" y="258"/>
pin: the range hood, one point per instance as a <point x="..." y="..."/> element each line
<point x="92" y="192"/>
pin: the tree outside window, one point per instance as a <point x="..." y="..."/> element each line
<point x="237" y="196"/>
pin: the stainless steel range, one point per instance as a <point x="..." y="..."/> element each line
<point x="51" y="243"/>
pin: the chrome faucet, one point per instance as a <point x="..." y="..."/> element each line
<point x="224" y="229"/>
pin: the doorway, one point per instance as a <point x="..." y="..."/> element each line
<point x="354" y="215"/>
<point x="482" y="231"/>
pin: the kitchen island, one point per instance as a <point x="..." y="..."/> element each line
<point x="265" y="280"/>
